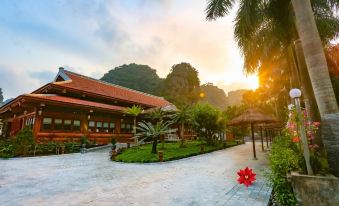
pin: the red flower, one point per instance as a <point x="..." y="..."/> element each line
<point x="296" y="139"/>
<point x="316" y="124"/>
<point x="246" y="176"/>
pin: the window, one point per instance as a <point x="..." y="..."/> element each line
<point x="91" y="126"/>
<point x="106" y="127"/>
<point x="46" y="123"/>
<point x="99" y="127"/>
<point x="76" y="125"/>
<point x="57" y="124"/>
<point x="111" y="127"/>
<point x="126" y="128"/>
<point x="67" y="124"/>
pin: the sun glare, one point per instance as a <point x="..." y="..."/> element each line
<point x="253" y="82"/>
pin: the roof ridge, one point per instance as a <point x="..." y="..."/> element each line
<point x="119" y="86"/>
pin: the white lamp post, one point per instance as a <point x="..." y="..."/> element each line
<point x="295" y="94"/>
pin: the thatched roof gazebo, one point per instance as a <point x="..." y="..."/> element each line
<point x="252" y="116"/>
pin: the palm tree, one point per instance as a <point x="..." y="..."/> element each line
<point x="259" y="23"/>
<point x="153" y="132"/>
<point x="320" y="79"/>
<point x="135" y="111"/>
<point x="182" y="116"/>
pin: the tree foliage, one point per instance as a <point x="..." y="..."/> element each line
<point x="332" y="57"/>
<point x="207" y="121"/>
<point x="1" y="97"/>
<point x="182" y="85"/>
<point x="134" y="76"/>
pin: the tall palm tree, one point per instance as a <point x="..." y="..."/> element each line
<point x="320" y="79"/>
<point x="147" y="130"/>
<point x="259" y="22"/>
<point x="135" y="111"/>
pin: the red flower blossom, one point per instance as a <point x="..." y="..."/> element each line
<point x="316" y="124"/>
<point x="246" y="176"/>
<point x="296" y="139"/>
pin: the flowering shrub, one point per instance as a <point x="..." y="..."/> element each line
<point x="317" y="157"/>
<point x="310" y="127"/>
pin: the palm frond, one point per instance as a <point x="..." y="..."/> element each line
<point x="218" y="8"/>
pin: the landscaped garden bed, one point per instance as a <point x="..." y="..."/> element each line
<point x="171" y="151"/>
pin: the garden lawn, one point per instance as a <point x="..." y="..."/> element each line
<point x="172" y="151"/>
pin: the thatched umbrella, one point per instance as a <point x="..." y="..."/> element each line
<point x="270" y="128"/>
<point x="252" y="116"/>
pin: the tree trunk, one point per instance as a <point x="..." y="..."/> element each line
<point x="182" y="131"/>
<point x="320" y="79"/>
<point x="253" y="142"/>
<point x="154" y="146"/>
<point x="135" y="129"/>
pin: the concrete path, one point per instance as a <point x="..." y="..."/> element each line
<point x="91" y="179"/>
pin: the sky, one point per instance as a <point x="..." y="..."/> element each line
<point x="93" y="36"/>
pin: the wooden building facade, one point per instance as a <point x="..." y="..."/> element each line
<point x="74" y="105"/>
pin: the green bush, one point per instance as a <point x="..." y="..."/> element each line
<point x="84" y="141"/>
<point x="24" y="141"/>
<point x="71" y="147"/>
<point x="284" y="158"/>
<point x="7" y="149"/>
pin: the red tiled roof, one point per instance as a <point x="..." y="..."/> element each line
<point x="68" y="100"/>
<point x="87" y="84"/>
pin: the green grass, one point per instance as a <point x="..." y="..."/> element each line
<point x="172" y="151"/>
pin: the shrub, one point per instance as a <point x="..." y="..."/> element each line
<point x="284" y="158"/>
<point x="6" y="149"/>
<point x="71" y="147"/>
<point x="84" y="140"/>
<point x="24" y="141"/>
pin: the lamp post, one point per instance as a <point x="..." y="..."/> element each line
<point x="295" y="94"/>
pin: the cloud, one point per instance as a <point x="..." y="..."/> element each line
<point x="93" y="37"/>
<point x="15" y="82"/>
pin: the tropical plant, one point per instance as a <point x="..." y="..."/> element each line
<point x="182" y="116"/>
<point x="156" y="115"/>
<point x="135" y="111"/>
<point x="153" y="132"/>
<point x="207" y="122"/>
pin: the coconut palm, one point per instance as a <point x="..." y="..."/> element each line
<point x="256" y="31"/>
<point x="135" y="111"/>
<point x="153" y="132"/>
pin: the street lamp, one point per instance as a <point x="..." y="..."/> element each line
<point x="295" y="94"/>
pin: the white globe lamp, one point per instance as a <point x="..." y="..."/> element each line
<point x="295" y="93"/>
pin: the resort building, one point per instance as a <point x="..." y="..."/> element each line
<point x="74" y="105"/>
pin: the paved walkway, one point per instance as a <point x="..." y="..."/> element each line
<point x="91" y="179"/>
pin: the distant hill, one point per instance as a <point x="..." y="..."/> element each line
<point x="213" y="95"/>
<point x="134" y="76"/>
<point x="235" y="97"/>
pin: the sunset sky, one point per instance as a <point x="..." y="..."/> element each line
<point x="91" y="37"/>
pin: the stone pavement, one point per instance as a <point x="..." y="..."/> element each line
<point x="91" y="179"/>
